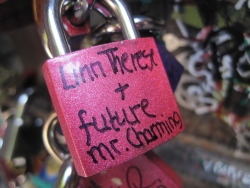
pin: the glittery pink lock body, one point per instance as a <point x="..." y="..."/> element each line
<point x="113" y="101"/>
<point x="143" y="171"/>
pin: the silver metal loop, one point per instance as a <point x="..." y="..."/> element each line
<point x="81" y="11"/>
<point x="67" y="176"/>
<point x="123" y="15"/>
<point x="67" y="5"/>
<point x="103" y="10"/>
<point x="48" y="18"/>
<point x="54" y="144"/>
<point x="142" y="23"/>
<point x="78" y="10"/>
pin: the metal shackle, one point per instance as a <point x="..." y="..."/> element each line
<point x="81" y="9"/>
<point x="48" y="18"/>
<point x="67" y="176"/>
<point x="121" y="12"/>
<point x="56" y="148"/>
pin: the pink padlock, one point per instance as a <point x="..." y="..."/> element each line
<point x="147" y="170"/>
<point x="113" y="101"/>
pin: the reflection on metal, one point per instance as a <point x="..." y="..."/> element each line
<point x="54" y="143"/>
<point x="81" y="11"/>
<point x="141" y="22"/>
<point x="67" y="177"/>
<point x="78" y="10"/>
<point x="122" y="14"/>
<point x="48" y="18"/>
<point x="67" y="5"/>
<point x="102" y="10"/>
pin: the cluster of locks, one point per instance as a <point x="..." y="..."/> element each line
<point x="214" y="49"/>
<point x="105" y="99"/>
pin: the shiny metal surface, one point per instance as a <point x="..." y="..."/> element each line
<point x="67" y="5"/>
<point x="48" y="18"/>
<point x="55" y="149"/>
<point x="67" y="177"/>
<point x="123" y="15"/>
<point x="141" y="22"/>
<point x="103" y="10"/>
<point x="147" y="23"/>
<point x="10" y="137"/>
<point x="81" y="11"/>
